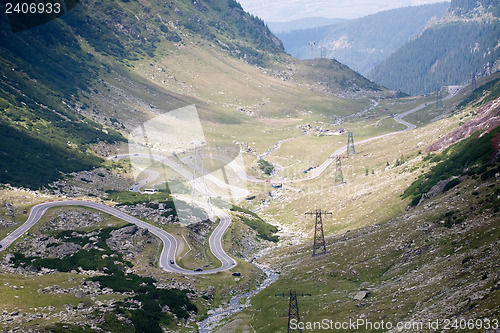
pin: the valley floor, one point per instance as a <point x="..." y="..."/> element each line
<point x="431" y="264"/>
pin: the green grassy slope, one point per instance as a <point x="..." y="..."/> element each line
<point x="107" y="60"/>
<point x="46" y="70"/>
<point x="473" y="154"/>
<point x="436" y="261"/>
<point x="138" y="28"/>
<point x="42" y="71"/>
<point x="408" y="265"/>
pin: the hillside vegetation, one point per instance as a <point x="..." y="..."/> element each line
<point x="62" y="81"/>
<point x="474" y="156"/>
<point x="138" y="29"/>
<point x="444" y="54"/>
<point x="463" y="44"/>
<point x="138" y="289"/>
<point x="435" y="261"/>
<point x="412" y="237"/>
<point x="42" y="134"/>
<point x="46" y="71"/>
<point x="470" y="9"/>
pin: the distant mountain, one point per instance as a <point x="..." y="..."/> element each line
<point x="305" y="23"/>
<point x="364" y="42"/>
<point x="464" y="43"/>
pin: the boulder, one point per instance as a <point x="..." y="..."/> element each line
<point x="361" y="295"/>
<point x="63" y="250"/>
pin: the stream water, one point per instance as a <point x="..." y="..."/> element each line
<point x="235" y="304"/>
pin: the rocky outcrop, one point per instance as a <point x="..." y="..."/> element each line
<point x="160" y="215"/>
<point x="361" y="295"/>
<point x="488" y="117"/>
<point x="77" y="218"/>
<point x="63" y="250"/>
<point x="90" y="183"/>
<point x="201" y="229"/>
<point x="129" y="240"/>
<point x="4" y="224"/>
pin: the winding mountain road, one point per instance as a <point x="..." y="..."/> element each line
<point x="409" y="126"/>
<point x="170" y="243"/>
<point x="151" y="176"/>
<point x="316" y="172"/>
<point x="234" y="191"/>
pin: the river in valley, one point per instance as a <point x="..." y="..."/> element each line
<point x="236" y="304"/>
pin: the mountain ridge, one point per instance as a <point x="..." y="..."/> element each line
<point x="448" y="52"/>
<point x="362" y="43"/>
<point x="300" y="24"/>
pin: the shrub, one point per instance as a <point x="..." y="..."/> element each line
<point x="472" y="153"/>
<point x="265" y="166"/>
<point x="451" y="184"/>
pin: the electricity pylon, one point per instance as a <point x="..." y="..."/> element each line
<point x="339" y="177"/>
<point x="473" y="82"/>
<point x="293" y="310"/>
<point x="312" y="45"/>
<point x="319" y="235"/>
<point x="323" y="52"/>
<point x="350" y="143"/>
<point x="439" y="99"/>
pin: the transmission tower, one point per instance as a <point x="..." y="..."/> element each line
<point x="312" y="45"/>
<point x="323" y="52"/>
<point x="350" y="143"/>
<point x="473" y="82"/>
<point x="439" y="99"/>
<point x="293" y="309"/>
<point x="319" y="235"/>
<point x="339" y="177"/>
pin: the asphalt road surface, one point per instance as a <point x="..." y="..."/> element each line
<point x="316" y="172"/>
<point x="409" y="126"/>
<point x="151" y="176"/>
<point x="170" y="243"/>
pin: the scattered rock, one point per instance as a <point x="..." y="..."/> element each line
<point x="63" y="250"/>
<point x="487" y="119"/>
<point x="361" y="295"/>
